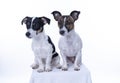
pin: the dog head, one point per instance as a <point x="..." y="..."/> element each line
<point x="65" y="22"/>
<point x="34" y="25"/>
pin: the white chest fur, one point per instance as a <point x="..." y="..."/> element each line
<point x="70" y="44"/>
<point x="41" y="47"/>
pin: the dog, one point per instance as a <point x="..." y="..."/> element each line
<point x="70" y="44"/>
<point x="42" y="45"/>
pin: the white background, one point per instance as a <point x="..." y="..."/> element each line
<point x="98" y="25"/>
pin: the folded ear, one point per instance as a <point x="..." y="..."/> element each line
<point x="75" y="15"/>
<point x="24" y="20"/>
<point x="56" y="15"/>
<point x="45" y="20"/>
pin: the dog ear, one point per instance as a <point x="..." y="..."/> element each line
<point x="75" y="15"/>
<point x="45" y="20"/>
<point x="24" y="20"/>
<point x="56" y="15"/>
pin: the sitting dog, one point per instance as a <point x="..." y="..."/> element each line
<point x="70" y="43"/>
<point x="42" y="46"/>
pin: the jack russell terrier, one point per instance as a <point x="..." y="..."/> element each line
<point x="42" y="46"/>
<point x="70" y="44"/>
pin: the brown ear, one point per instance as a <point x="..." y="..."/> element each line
<point x="24" y="20"/>
<point x="45" y="20"/>
<point x="56" y="15"/>
<point x="75" y="15"/>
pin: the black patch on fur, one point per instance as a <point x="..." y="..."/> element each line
<point x="28" y="22"/>
<point x="55" y="54"/>
<point x="37" y="24"/>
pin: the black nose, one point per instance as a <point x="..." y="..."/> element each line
<point x="62" y="32"/>
<point x="28" y="34"/>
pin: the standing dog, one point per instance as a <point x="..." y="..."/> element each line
<point x="70" y="43"/>
<point x="42" y="46"/>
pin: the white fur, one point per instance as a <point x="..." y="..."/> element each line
<point x="42" y="51"/>
<point x="70" y="45"/>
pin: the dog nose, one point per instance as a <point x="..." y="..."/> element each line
<point x="62" y="32"/>
<point x="28" y="34"/>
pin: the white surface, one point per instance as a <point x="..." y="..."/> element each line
<point x="59" y="76"/>
<point x="98" y="26"/>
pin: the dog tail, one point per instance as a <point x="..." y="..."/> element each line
<point x="55" y="54"/>
<point x="56" y="60"/>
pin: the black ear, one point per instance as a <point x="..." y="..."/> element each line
<point x="75" y="15"/>
<point x="24" y="20"/>
<point x="45" y="20"/>
<point x="56" y="15"/>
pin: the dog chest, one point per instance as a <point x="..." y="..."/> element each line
<point x="70" y="47"/>
<point x="42" y="48"/>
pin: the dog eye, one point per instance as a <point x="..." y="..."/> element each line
<point x="28" y="23"/>
<point x="33" y="24"/>
<point x="60" y="23"/>
<point x="68" y="23"/>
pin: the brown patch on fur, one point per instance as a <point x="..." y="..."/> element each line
<point x="69" y="23"/>
<point x="61" y="22"/>
<point x="38" y="31"/>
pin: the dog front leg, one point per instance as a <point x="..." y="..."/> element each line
<point x="64" y="65"/>
<point x="41" y="65"/>
<point x="48" y="64"/>
<point x="78" y="61"/>
<point x="35" y="65"/>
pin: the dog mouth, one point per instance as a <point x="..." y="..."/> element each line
<point x="29" y="37"/>
<point x="33" y="33"/>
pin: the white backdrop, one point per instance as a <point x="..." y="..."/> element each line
<point x="98" y="25"/>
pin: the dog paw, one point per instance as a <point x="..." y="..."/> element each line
<point x="34" y="66"/>
<point x="77" y="68"/>
<point x="58" y="66"/>
<point x="48" y="69"/>
<point x="64" y="68"/>
<point x="40" y="70"/>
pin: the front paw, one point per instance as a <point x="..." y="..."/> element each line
<point x="64" y="68"/>
<point x="34" y="66"/>
<point x="76" y="68"/>
<point x="58" y="66"/>
<point x="40" y="70"/>
<point x="48" y="69"/>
